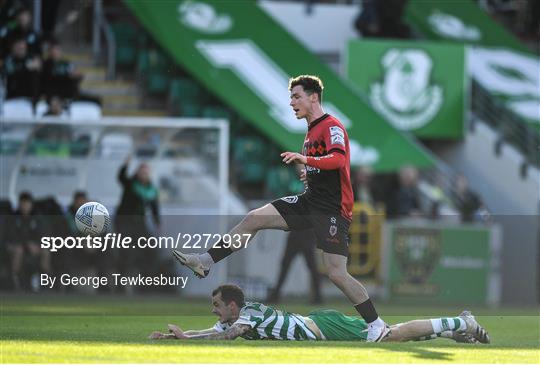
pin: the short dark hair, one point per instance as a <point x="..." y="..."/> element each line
<point x="230" y="293"/>
<point x="311" y="84"/>
<point x="26" y="196"/>
<point x="79" y="194"/>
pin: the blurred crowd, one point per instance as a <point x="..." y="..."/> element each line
<point x="405" y="195"/>
<point x="23" y="226"/>
<point x="32" y="65"/>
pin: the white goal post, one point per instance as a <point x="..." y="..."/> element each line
<point x="55" y="156"/>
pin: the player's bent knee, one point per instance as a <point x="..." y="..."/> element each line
<point x="264" y="217"/>
<point x="337" y="276"/>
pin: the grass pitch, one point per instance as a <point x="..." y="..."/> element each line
<point x="104" y="329"/>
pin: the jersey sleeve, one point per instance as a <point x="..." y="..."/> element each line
<point x="220" y="327"/>
<point x="250" y="316"/>
<point x="334" y="136"/>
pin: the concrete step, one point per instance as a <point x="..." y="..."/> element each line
<point x="93" y="73"/>
<point x="118" y="102"/>
<point x="78" y="56"/>
<point x="135" y="113"/>
<point x="108" y="88"/>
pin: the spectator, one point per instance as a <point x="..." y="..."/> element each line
<point x="137" y="216"/>
<point x="55" y="106"/>
<point x="299" y="243"/>
<point x="23" y="29"/>
<point x="139" y="197"/>
<point x="362" y="186"/>
<point x="79" y="198"/>
<point x="51" y="219"/>
<point x="49" y="14"/>
<point x="86" y="261"/>
<point x="5" y="216"/>
<point x="21" y="72"/>
<point x="467" y="202"/>
<point x="367" y="23"/>
<point x="407" y="198"/>
<point x="8" y="11"/>
<point x="23" y="238"/>
<point x="60" y="78"/>
<point x="383" y="19"/>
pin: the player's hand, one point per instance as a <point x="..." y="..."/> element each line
<point x="295" y="157"/>
<point x="156" y="335"/>
<point x="177" y="332"/>
<point x="128" y="159"/>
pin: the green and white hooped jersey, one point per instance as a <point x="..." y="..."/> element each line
<point x="268" y="323"/>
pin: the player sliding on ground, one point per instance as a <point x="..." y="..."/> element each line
<point x="325" y="206"/>
<point x="256" y="321"/>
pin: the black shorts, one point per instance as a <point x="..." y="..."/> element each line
<point x="331" y="230"/>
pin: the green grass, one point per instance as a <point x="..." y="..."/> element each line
<point x="104" y="329"/>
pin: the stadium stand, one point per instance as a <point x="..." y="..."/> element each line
<point x="149" y="82"/>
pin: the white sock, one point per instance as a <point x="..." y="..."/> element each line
<point x="377" y="323"/>
<point x="206" y="260"/>
<point x="448" y="324"/>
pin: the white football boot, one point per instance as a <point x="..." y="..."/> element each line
<point x="473" y="328"/>
<point x="192" y="262"/>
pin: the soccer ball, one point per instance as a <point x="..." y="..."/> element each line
<point x="92" y="219"/>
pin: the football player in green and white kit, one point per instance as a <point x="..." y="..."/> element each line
<point x="257" y="321"/>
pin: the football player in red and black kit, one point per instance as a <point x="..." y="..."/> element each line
<point x="325" y="206"/>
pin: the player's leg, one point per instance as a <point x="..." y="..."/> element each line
<point x="308" y="250"/>
<point x="336" y="266"/>
<point x="463" y="328"/>
<point x="332" y="238"/>
<point x="266" y="217"/>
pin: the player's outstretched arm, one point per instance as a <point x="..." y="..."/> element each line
<point x="236" y="330"/>
<point x="175" y="333"/>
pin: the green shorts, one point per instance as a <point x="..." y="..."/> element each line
<point x="336" y="326"/>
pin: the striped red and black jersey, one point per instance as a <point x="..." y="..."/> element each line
<point x="329" y="191"/>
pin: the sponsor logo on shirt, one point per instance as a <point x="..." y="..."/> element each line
<point x="290" y="199"/>
<point x="337" y="136"/>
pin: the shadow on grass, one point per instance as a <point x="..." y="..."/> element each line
<point x="425" y="349"/>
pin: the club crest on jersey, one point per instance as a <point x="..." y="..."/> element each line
<point x="290" y="199"/>
<point x="333" y="230"/>
<point x="337" y="136"/>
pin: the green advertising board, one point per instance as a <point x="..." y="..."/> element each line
<point x="498" y="61"/>
<point x="245" y="58"/>
<point x="435" y="264"/>
<point x="512" y="77"/>
<point x="461" y="21"/>
<point x="417" y="86"/>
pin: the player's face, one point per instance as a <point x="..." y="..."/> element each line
<point x="143" y="173"/>
<point x="25" y="206"/>
<point x="301" y="102"/>
<point x="225" y="312"/>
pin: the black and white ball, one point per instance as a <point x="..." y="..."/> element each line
<point x="92" y="219"/>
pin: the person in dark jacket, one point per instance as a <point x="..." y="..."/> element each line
<point x="23" y="243"/>
<point x="23" y="29"/>
<point x="22" y="72"/>
<point x="137" y="216"/>
<point x="467" y="202"/>
<point x="61" y="78"/>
